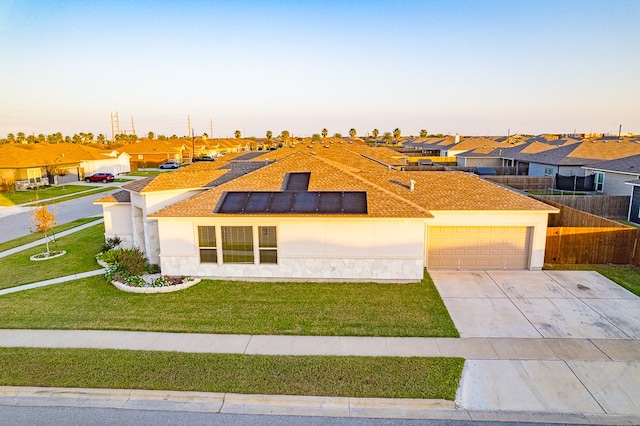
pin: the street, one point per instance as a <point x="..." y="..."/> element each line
<point x="16" y="221"/>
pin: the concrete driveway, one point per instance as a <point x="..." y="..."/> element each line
<point x="553" y="313"/>
<point x="544" y="304"/>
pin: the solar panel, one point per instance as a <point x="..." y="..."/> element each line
<point x="294" y="202"/>
<point x="298" y="181"/>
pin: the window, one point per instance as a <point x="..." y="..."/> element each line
<point x="237" y="244"/>
<point x="548" y="171"/>
<point x="599" y="182"/>
<point x="268" y="244"/>
<point x="207" y="243"/>
<point x="34" y="176"/>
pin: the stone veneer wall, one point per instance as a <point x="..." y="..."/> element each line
<point x="295" y="269"/>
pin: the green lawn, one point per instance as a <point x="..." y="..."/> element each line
<point x="81" y="248"/>
<point x="627" y="276"/>
<point x="35" y="236"/>
<point x="145" y="173"/>
<point x="230" y="307"/>
<point x="381" y="377"/>
<point x="21" y="197"/>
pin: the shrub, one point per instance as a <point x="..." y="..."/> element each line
<point x="152" y="268"/>
<point x="110" y="257"/>
<point x="133" y="261"/>
<point x="110" y="244"/>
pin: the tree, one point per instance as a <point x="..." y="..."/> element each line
<point x="387" y="138"/>
<point x="316" y="137"/>
<point x="151" y="135"/>
<point x="423" y="133"/>
<point x="11" y="138"/>
<point x="337" y="135"/>
<point x="237" y="134"/>
<point x="102" y="139"/>
<point x="269" y="134"/>
<point x="375" y="133"/>
<point x="352" y="133"/>
<point x="396" y="133"/>
<point x="44" y="221"/>
<point x="20" y="137"/>
<point x="54" y="169"/>
<point x="325" y="132"/>
<point x="284" y="135"/>
<point x="42" y="138"/>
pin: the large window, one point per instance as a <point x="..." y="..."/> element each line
<point x="237" y="244"/>
<point x="268" y="244"/>
<point x="207" y="243"/>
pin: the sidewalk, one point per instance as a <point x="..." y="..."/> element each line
<point x="554" y="380"/>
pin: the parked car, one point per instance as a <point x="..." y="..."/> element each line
<point x="100" y="177"/>
<point x="205" y="158"/>
<point x="169" y="165"/>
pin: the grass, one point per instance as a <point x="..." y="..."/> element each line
<point x="230" y="307"/>
<point x="81" y="248"/>
<point x="21" y="197"/>
<point x="35" y="236"/>
<point x="382" y="377"/>
<point x="627" y="276"/>
<point x="146" y="173"/>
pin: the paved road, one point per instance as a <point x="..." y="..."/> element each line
<point x="82" y="416"/>
<point x="16" y="221"/>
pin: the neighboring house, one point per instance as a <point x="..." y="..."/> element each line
<point x="634" y="203"/>
<point x="40" y="164"/>
<point x="330" y="213"/>
<point x="612" y="175"/>
<point x="151" y="153"/>
<point x="571" y="158"/>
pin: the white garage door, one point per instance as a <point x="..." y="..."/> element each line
<point x="460" y="247"/>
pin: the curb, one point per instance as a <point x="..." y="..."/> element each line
<point x="231" y="403"/>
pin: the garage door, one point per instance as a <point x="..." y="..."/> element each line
<point x="459" y="247"/>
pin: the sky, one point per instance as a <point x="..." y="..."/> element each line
<point x="475" y="67"/>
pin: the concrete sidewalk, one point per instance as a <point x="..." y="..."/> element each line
<point x="558" y="380"/>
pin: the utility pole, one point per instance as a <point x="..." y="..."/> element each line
<point x="133" y="127"/>
<point x="115" y="126"/>
<point x="189" y="130"/>
<point x="193" y="146"/>
<point x="211" y="126"/>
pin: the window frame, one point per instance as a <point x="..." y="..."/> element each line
<point x="208" y="248"/>
<point x="599" y="182"/>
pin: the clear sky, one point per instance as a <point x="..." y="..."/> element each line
<point x="469" y="67"/>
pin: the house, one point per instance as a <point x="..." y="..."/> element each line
<point x="611" y="176"/>
<point x="151" y="153"/>
<point x="634" y="203"/>
<point x="571" y="158"/>
<point x="40" y="164"/>
<point x="327" y="212"/>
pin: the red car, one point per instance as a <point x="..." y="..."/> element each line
<point x="100" y="177"/>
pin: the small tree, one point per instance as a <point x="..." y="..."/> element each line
<point x="269" y="134"/>
<point x="423" y="133"/>
<point x="352" y="133"/>
<point x="325" y="132"/>
<point x="44" y="221"/>
<point x="237" y="134"/>
<point x="316" y="137"/>
<point x="375" y="133"/>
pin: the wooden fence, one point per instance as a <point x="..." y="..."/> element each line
<point x="609" y="206"/>
<point x="524" y="183"/>
<point x="574" y="236"/>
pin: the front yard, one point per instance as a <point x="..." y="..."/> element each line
<point x="69" y="192"/>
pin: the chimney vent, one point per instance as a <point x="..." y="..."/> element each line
<point x="412" y="184"/>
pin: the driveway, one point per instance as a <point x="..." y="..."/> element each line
<point x="538" y="304"/>
<point x="554" y="313"/>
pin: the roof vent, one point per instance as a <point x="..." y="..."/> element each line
<point x="412" y="185"/>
